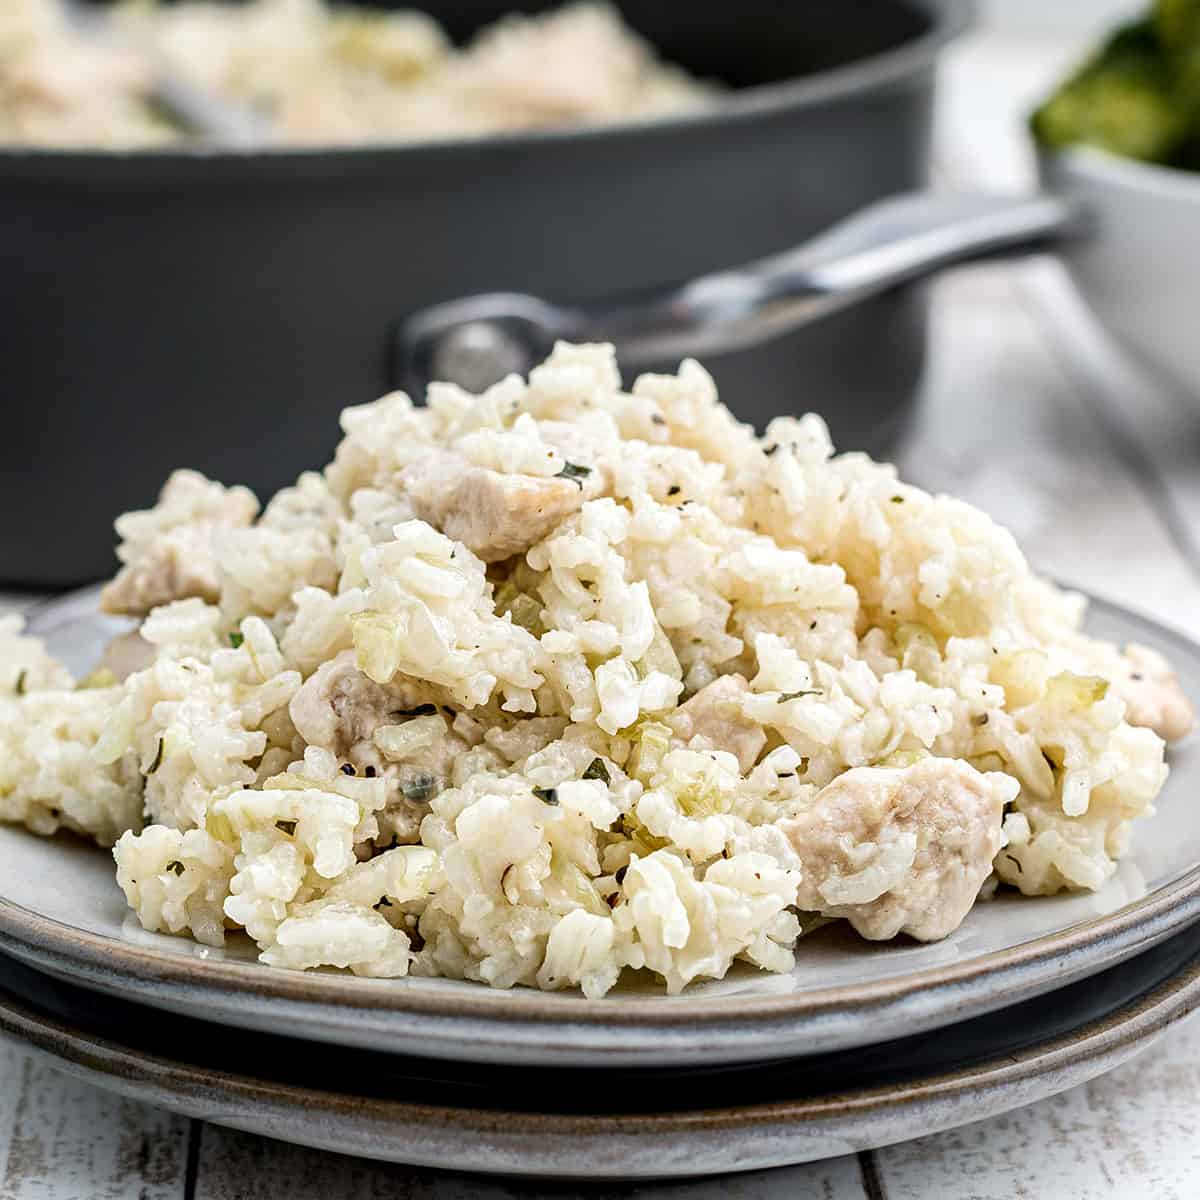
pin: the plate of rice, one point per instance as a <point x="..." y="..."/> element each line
<point x="569" y="723"/>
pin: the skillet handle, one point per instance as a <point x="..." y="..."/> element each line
<point x="478" y="340"/>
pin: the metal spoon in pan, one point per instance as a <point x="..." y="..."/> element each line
<point x="192" y="108"/>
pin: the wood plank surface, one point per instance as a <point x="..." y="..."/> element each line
<point x="1131" y="1135"/>
<point x="64" y="1140"/>
<point x="236" y="1166"/>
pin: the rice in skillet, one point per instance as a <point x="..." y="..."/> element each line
<point x="329" y="74"/>
<point x="535" y="686"/>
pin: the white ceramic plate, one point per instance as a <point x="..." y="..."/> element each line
<point x="60" y="910"/>
<point x="608" y="1124"/>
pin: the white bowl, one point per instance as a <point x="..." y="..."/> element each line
<point x="1140" y="267"/>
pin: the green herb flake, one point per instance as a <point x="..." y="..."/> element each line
<point x="897" y="499"/>
<point x="597" y="770"/>
<point x="420" y="789"/>
<point x="175" y="867"/>
<point x="158" y="757"/>
<point x="574" y="471"/>
<point x="796" y="695"/>
<point x="236" y="639"/>
<point x="21" y="682"/>
<point x="288" y="827"/>
<point x="422" y="710"/>
<point x="547" y="796"/>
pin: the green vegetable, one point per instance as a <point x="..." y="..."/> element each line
<point x="527" y="613"/>
<point x="575" y="885"/>
<point x="523" y="608"/>
<point x="1129" y="99"/>
<point x="101" y="677"/>
<point x="547" y="796"/>
<point x="376" y="44"/>
<point x="652" y="740"/>
<point x="420" y="789"/>
<point x="378" y="642"/>
<point x="218" y="825"/>
<point x="1076" y="693"/>
<point x="574" y="471"/>
<point x="20" y="689"/>
<point x="288" y="827"/>
<point x="1177" y="23"/>
<point x="236" y="640"/>
<point x="905" y="758"/>
<point x="158" y="757"/>
<point x="597" y="770"/>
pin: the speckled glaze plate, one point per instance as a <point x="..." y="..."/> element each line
<point x="61" y="911"/>
<point x="607" y="1124"/>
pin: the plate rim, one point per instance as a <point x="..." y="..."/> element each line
<point x="38" y="938"/>
<point x="1113" y="1035"/>
<point x="972" y="986"/>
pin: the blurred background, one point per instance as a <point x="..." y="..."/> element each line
<point x="176" y="293"/>
<point x="1034" y="407"/>
<point x="1072" y="18"/>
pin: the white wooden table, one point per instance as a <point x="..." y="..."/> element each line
<point x="1028" y="414"/>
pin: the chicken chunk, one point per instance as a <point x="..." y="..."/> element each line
<point x="900" y="850"/>
<point x="715" y="713"/>
<point x="492" y="514"/>
<point x="167" y="550"/>
<point x="1152" y="695"/>
<point x="176" y="565"/>
<point x="339" y="709"/>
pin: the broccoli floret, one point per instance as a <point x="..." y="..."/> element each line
<point x="1122" y="101"/>
<point x="1177" y="23"/>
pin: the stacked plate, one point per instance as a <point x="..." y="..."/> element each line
<point x="859" y="1046"/>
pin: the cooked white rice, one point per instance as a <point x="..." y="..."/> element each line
<point x="317" y="74"/>
<point x="558" y="681"/>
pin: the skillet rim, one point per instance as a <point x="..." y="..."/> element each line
<point x="948" y="20"/>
